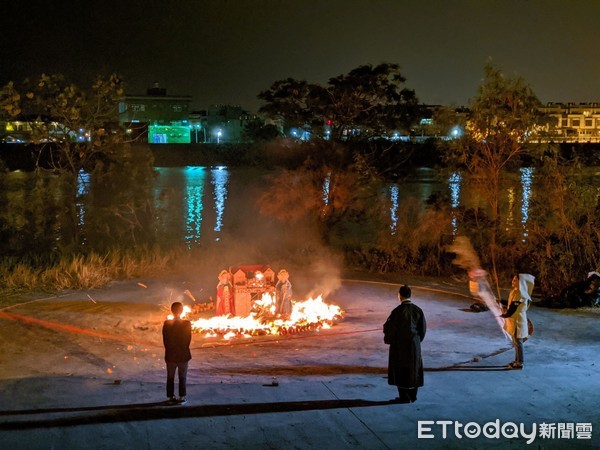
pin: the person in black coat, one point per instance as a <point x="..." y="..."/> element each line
<point x="177" y="335"/>
<point x="403" y="331"/>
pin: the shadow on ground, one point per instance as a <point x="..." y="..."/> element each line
<point x="166" y="410"/>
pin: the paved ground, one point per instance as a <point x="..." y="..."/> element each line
<point x="332" y="391"/>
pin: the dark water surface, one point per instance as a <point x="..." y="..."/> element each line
<point x="195" y="206"/>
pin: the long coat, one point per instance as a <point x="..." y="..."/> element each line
<point x="403" y="331"/>
<point x="516" y="324"/>
<point x="177" y="335"/>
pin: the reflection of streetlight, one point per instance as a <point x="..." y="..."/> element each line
<point x="219" y="134"/>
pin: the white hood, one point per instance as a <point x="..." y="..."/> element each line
<point x="526" y="282"/>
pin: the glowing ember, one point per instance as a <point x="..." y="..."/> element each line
<point x="312" y="314"/>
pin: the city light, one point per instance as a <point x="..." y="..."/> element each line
<point x="456" y="132"/>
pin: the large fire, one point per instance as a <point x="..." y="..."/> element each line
<point x="308" y="315"/>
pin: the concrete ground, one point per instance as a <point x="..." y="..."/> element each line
<point x="55" y="391"/>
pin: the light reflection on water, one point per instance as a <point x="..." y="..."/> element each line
<point x="426" y="186"/>
<point x="526" y="182"/>
<point x="454" y="183"/>
<point x="510" y="193"/>
<point x="220" y="176"/>
<point x="195" y="204"/>
<point x="394" y="199"/>
<point x="83" y="187"/>
<point x="194" y="190"/>
<point x="203" y="193"/>
<point x="326" y="185"/>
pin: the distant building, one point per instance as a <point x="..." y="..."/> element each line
<point x="573" y="122"/>
<point x="569" y="122"/>
<point x="225" y="124"/>
<point x="199" y="132"/>
<point x="219" y="124"/>
<point x="156" y="117"/>
<point x="438" y="122"/>
<point x="38" y="129"/>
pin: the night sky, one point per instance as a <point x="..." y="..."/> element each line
<point x="226" y="51"/>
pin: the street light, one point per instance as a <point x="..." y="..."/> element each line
<point x="219" y="134"/>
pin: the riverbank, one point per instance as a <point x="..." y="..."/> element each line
<point x="277" y="153"/>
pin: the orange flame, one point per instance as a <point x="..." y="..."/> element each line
<point x="311" y="314"/>
<point x="186" y="311"/>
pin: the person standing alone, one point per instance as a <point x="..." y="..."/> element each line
<point x="516" y="324"/>
<point x="404" y="331"/>
<point x="177" y="335"/>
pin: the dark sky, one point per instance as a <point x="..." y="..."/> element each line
<point x="226" y="51"/>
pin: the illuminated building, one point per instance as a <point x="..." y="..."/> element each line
<point x="38" y="129"/>
<point x="157" y="117"/>
<point x="573" y="122"/>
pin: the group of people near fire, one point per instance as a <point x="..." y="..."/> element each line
<point x="404" y="329"/>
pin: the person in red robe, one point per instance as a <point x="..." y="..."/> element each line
<point x="225" y="305"/>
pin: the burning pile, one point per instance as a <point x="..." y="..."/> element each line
<point x="309" y="315"/>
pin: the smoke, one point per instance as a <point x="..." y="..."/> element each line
<point x="314" y="269"/>
<point x="321" y="275"/>
<point x="249" y="237"/>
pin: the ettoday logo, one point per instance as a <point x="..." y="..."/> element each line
<point x="430" y="429"/>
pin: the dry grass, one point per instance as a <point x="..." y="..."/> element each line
<point x="87" y="271"/>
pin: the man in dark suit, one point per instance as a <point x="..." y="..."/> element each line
<point x="403" y="331"/>
<point x="177" y="335"/>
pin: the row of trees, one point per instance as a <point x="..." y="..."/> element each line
<point x="370" y="98"/>
<point x="561" y="241"/>
<point x="80" y="150"/>
<point x="81" y="123"/>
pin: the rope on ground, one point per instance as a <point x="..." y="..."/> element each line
<point x="27" y="303"/>
<point x="73" y="329"/>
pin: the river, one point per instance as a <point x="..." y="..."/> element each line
<point x="198" y="205"/>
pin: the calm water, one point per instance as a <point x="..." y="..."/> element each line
<point x="197" y="206"/>
<point x="210" y="202"/>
